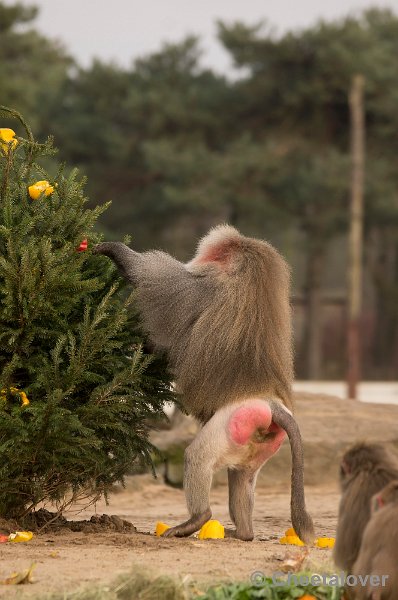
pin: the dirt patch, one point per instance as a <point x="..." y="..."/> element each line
<point x="49" y="522"/>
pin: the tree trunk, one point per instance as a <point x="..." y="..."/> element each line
<point x="355" y="235"/>
<point x="383" y="266"/>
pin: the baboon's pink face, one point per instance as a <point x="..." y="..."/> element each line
<point x="252" y="426"/>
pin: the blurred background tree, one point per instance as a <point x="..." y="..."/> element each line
<point x="32" y="67"/>
<point x="178" y="148"/>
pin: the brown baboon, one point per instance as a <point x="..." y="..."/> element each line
<point x="388" y="495"/>
<point x="376" y="567"/>
<point x="224" y="321"/>
<point x="365" y="469"/>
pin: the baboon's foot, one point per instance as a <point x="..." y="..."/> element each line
<point x="245" y="536"/>
<point x="189" y="527"/>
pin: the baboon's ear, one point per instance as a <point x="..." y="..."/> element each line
<point x="219" y="247"/>
<point x="379" y="501"/>
<point x="344" y="469"/>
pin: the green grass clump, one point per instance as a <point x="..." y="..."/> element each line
<point x="143" y="585"/>
<point x="136" y="585"/>
<point x="269" y="591"/>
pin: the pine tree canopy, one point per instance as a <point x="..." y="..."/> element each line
<point x="76" y="388"/>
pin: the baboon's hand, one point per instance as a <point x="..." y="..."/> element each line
<point x="102" y="248"/>
<point x="124" y="258"/>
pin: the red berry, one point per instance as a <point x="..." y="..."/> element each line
<point x="83" y="246"/>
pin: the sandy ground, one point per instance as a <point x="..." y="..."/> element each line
<point x="67" y="560"/>
<point x="377" y="392"/>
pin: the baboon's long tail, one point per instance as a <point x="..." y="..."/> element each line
<point x="301" y="520"/>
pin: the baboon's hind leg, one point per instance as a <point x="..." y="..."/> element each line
<point x="241" y="483"/>
<point x="199" y="461"/>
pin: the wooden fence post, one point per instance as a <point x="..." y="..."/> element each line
<point x="355" y="235"/>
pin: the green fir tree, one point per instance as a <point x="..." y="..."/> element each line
<point x="76" y="389"/>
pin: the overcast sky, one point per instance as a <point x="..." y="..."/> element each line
<point x="121" y="30"/>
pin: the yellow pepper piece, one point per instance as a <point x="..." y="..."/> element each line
<point x="7" y="140"/>
<point x="212" y="530"/>
<point x="38" y="188"/>
<point x="325" y="542"/>
<point x="24" y="398"/>
<point x="15" y="391"/>
<point x="291" y="540"/>
<point x="161" y="528"/>
<point x="20" y="536"/>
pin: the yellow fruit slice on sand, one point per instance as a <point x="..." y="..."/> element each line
<point x="20" y="536"/>
<point x="291" y="540"/>
<point x="212" y="530"/>
<point x="161" y="528"/>
<point x="325" y="542"/>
